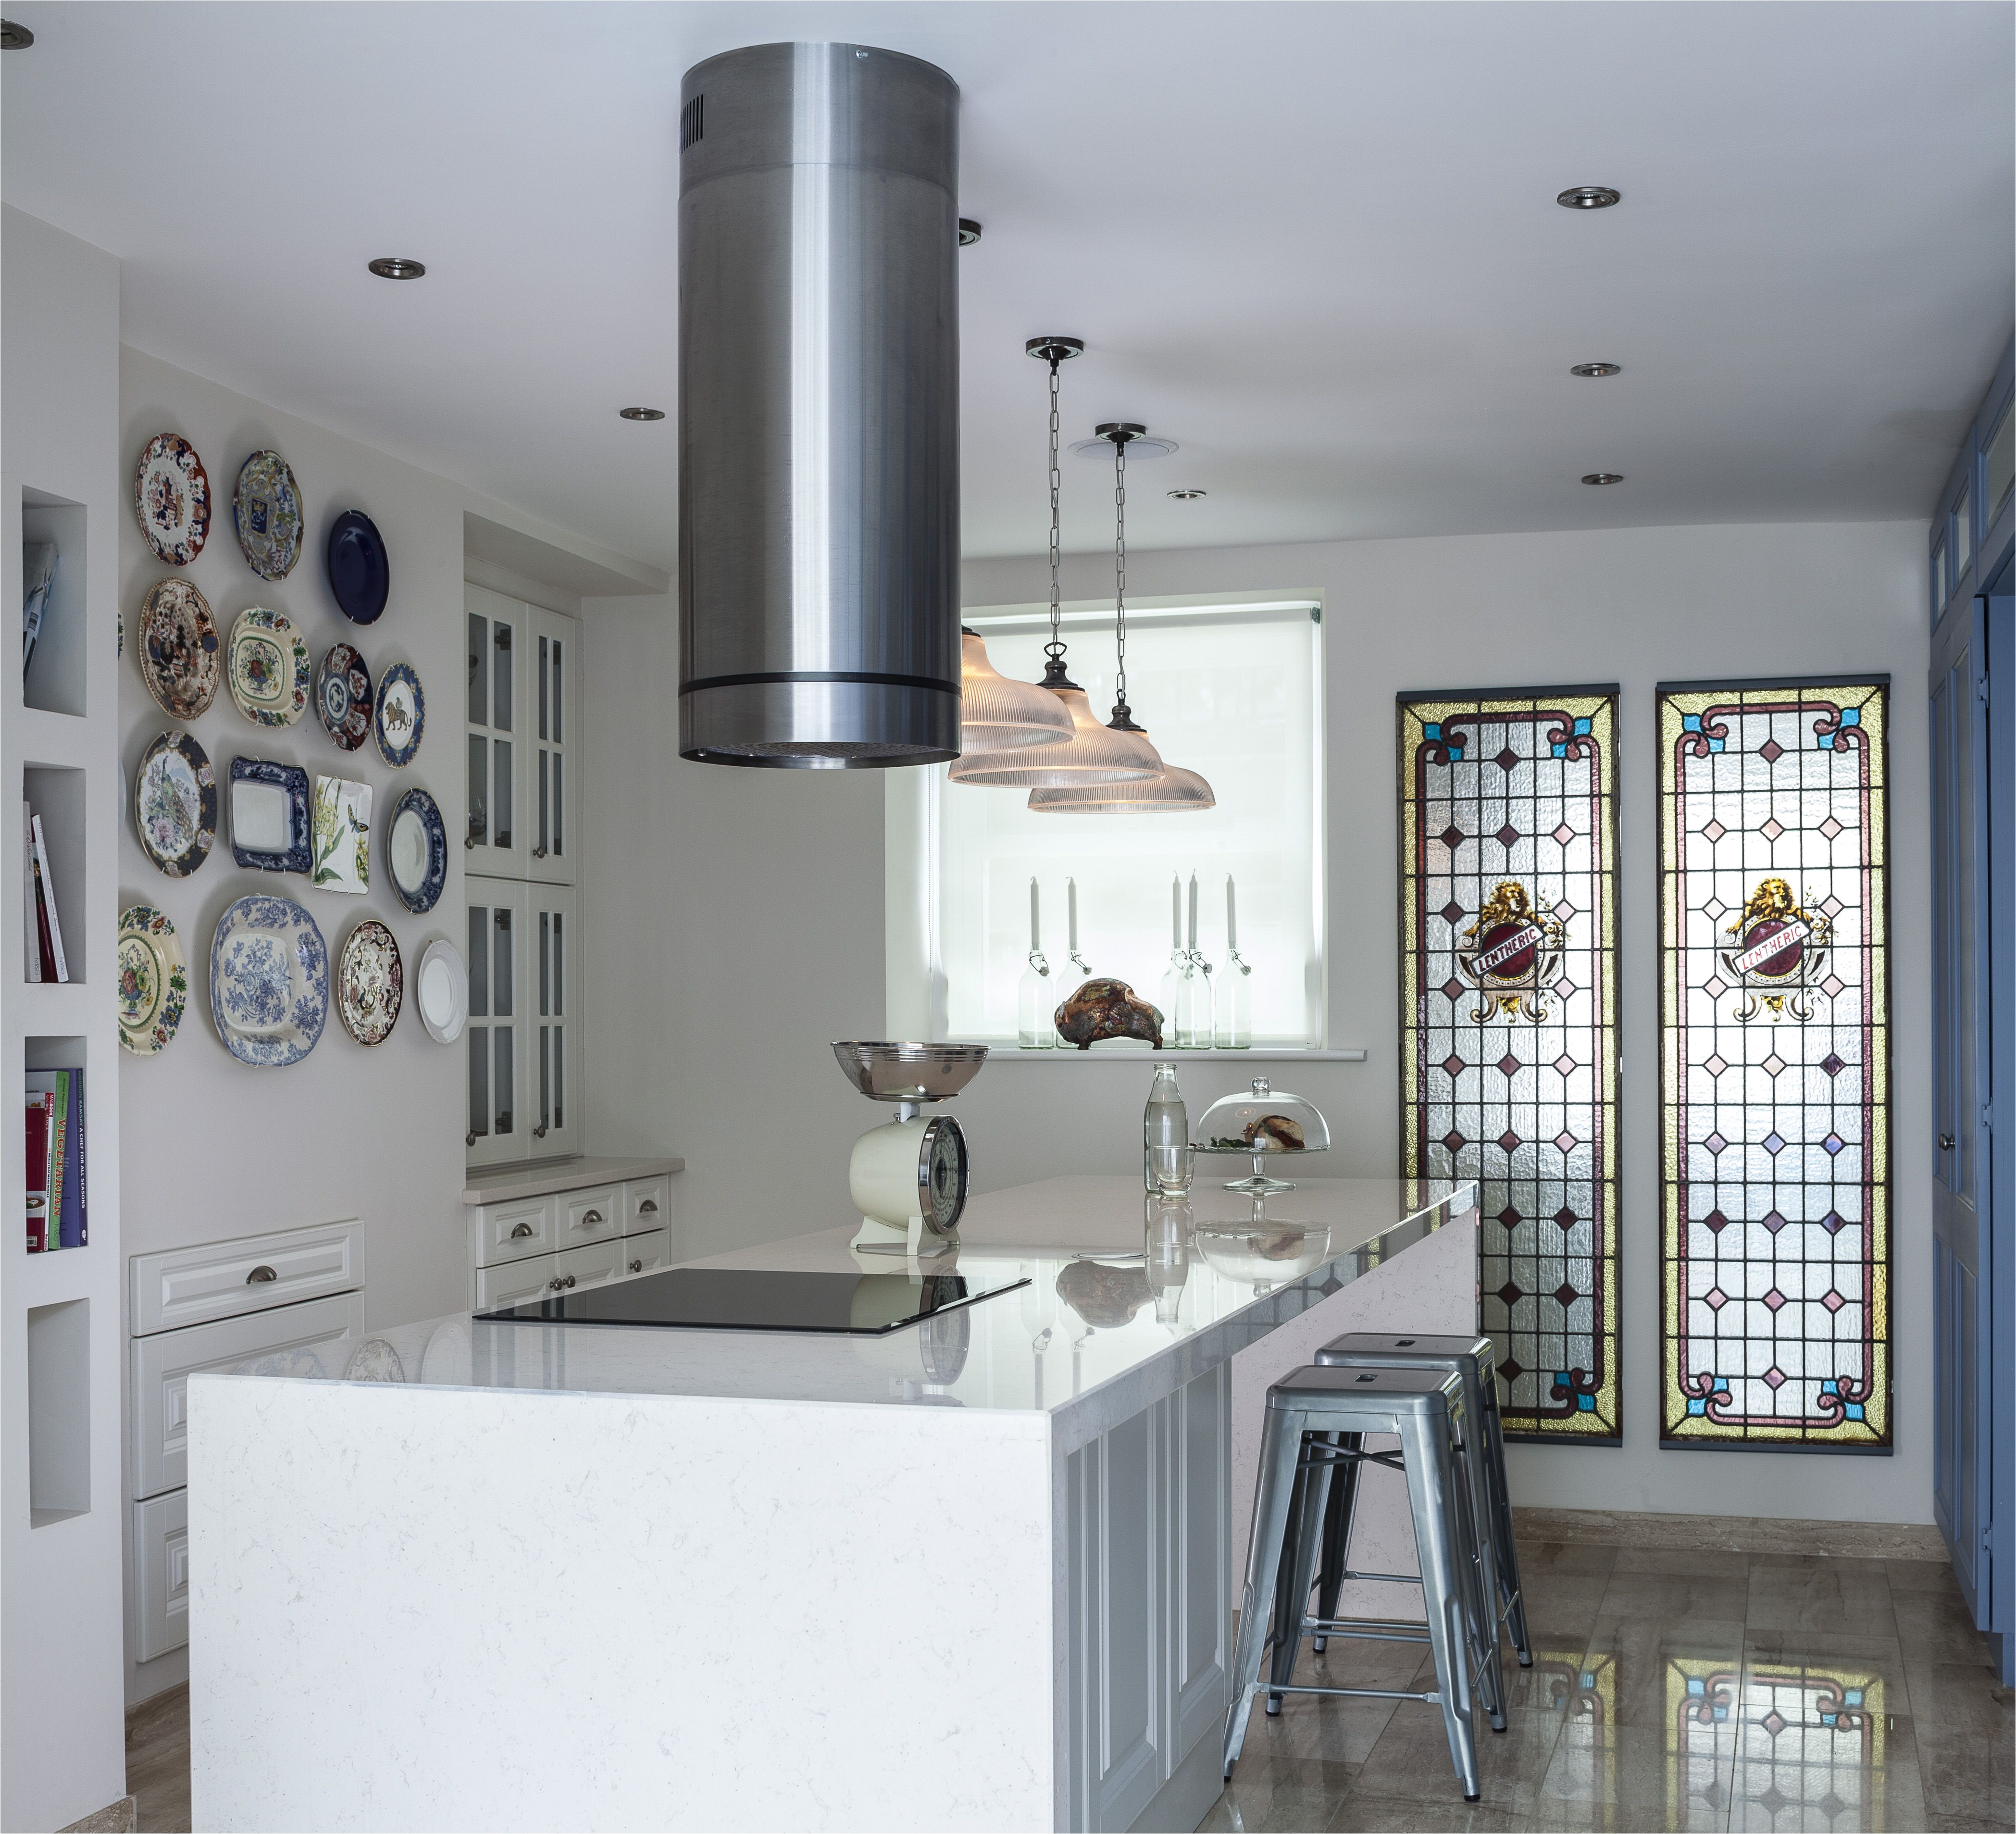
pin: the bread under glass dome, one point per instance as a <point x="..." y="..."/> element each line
<point x="1263" y="1123"/>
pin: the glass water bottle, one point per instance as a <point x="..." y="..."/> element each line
<point x="1165" y="1137"/>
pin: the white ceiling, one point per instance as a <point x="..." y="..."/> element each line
<point x="1316" y="243"/>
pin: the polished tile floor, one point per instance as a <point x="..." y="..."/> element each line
<point x="1670" y="1689"/>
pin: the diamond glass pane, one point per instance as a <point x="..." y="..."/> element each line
<point x="1774" y="1066"/>
<point x="1509" y="1023"/>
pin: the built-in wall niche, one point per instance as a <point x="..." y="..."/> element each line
<point x="82" y="1149"/>
<point x="54" y="680"/>
<point x="56" y="794"/>
<point x="59" y="1411"/>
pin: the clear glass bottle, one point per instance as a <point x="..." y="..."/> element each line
<point x="1232" y="1007"/>
<point x="1036" y="993"/>
<point x="1165" y="1135"/>
<point x="1167" y="1255"/>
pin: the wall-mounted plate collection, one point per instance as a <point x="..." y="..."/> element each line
<point x="172" y="499"/>
<point x="271" y="826"/>
<point x="359" y="574"/>
<point x="269" y="981"/>
<point x="267" y="666"/>
<point x="174" y="804"/>
<point x="416" y="851"/>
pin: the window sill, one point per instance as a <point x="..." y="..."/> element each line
<point x="1259" y="1054"/>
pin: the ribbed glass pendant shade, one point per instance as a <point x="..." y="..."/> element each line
<point x="1172" y="793"/>
<point x="998" y="714"/>
<point x="1094" y="753"/>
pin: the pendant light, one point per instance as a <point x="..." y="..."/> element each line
<point x="1172" y="790"/>
<point x="1094" y="753"/>
<point x="999" y="714"/>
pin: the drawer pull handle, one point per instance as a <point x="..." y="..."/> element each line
<point x="636" y="1266"/>
<point x="259" y="1275"/>
<point x="568" y="1281"/>
<point x="556" y="1284"/>
<point x="520" y="1230"/>
<point x="648" y="1207"/>
<point x="590" y="1219"/>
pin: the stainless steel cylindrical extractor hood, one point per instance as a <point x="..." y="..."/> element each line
<point x="819" y="408"/>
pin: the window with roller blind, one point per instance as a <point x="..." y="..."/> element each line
<point x="1233" y="691"/>
<point x="522" y="1043"/>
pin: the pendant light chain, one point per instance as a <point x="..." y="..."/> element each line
<point x="1119" y="576"/>
<point x="1054" y="650"/>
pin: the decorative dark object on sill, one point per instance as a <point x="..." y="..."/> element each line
<point x="1107" y="1009"/>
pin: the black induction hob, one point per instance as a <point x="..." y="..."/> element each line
<point x="736" y="1298"/>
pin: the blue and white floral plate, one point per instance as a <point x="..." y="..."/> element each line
<point x="417" y="850"/>
<point x="269" y="981"/>
<point x="399" y="715"/>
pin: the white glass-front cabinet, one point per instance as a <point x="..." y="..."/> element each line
<point x="523" y="1049"/>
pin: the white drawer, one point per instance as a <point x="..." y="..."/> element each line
<point x="647" y="1204"/>
<point x="514" y="1283"/>
<point x="584" y="1266"/>
<point x="314" y="1337"/>
<point x="250" y="1274"/>
<point x="510" y="1231"/>
<point x="590" y="1216"/>
<point x="641" y="1253"/>
<point x="161" y="1574"/>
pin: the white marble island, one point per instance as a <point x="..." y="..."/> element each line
<point x="976" y="1574"/>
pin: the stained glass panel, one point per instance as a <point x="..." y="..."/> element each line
<point x="1774" y="1065"/>
<point x="1509" y="1023"/>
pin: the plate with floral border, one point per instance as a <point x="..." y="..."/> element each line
<point x="343" y="696"/>
<point x="417" y="850"/>
<point x="172" y="499"/>
<point x="153" y="980"/>
<point x="267" y="512"/>
<point x="178" y="649"/>
<point x="269" y="981"/>
<point x="399" y="715"/>
<point x="268" y="667"/>
<point x="174" y="804"/>
<point x="370" y="983"/>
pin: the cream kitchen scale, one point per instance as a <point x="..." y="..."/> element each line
<point x="909" y="1177"/>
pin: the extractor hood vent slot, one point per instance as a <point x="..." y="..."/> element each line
<point x="693" y="121"/>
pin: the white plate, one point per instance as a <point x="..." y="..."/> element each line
<point x="441" y="990"/>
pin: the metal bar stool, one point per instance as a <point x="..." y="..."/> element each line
<point x="1424" y="1408"/>
<point x="1474" y="1360"/>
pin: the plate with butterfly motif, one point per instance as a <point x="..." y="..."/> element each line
<point x="399" y="716"/>
<point x="269" y="981"/>
<point x="171" y="498"/>
<point x="179" y="659"/>
<point x="370" y="983"/>
<point x="174" y="804"/>
<point x="153" y="980"/>
<point x="343" y="696"/>
<point x="267" y="512"/>
<point x="268" y="667"/>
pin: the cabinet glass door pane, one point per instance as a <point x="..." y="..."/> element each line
<point x="500" y="699"/>
<point x="479" y="691"/>
<point x="2001" y="461"/>
<point x="479" y="800"/>
<point x="1963" y="536"/>
<point x="501" y="800"/>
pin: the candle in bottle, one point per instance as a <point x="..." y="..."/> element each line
<point x="1194" y="895"/>
<point x="1231" y="913"/>
<point x="1035" y="917"/>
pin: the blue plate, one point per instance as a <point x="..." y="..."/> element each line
<point x="269" y="981"/>
<point x="359" y="575"/>
<point x="274" y="808"/>
<point x="417" y="850"/>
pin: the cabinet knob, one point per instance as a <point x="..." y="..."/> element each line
<point x="520" y="1230"/>
<point x="1946" y="1143"/>
<point x="648" y="1207"/>
<point x="539" y="853"/>
<point x="569" y="1281"/>
<point x="556" y="1284"/>
<point x="636" y="1266"/>
<point x="590" y="1218"/>
<point x="539" y="1132"/>
<point x="259" y="1275"/>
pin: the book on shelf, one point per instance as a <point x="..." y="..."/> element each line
<point x="30" y="906"/>
<point x="65" y="1217"/>
<point x="38" y="576"/>
<point x="48" y="924"/>
<point x="41" y="1111"/>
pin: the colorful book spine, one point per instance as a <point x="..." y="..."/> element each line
<point x="68" y="1214"/>
<point x="30" y="906"/>
<point x="46" y="880"/>
<point x="38" y="1123"/>
<point x="53" y="1087"/>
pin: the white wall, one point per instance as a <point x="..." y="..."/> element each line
<point x="1635" y="606"/>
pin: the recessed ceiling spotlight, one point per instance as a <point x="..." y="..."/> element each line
<point x="642" y="413"/>
<point x="969" y="232"/>
<point x="15" y="38"/>
<point x="1588" y="197"/>
<point x="1597" y="369"/>
<point x="1189" y="494"/>
<point x="1602" y="478"/>
<point x="393" y="266"/>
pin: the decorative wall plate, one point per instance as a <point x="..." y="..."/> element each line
<point x="267" y="666"/>
<point x="171" y="498"/>
<point x="178" y="649"/>
<point x="441" y="988"/>
<point x="399" y="715"/>
<point x="267" y="511"/>
<point x="153" y="980"/>
<point x="342" y="840"/>
<point x="343" y="696"/>
<point x="269" y="981"/>
<point x="271" y="826"/>
<point x="174" y="804"/>
<point x="370" y="983"/>
<point x="359" y="573"/>
<point x="417" y="850"/>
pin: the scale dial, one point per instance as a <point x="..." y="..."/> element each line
<point x="943" y="1169"/>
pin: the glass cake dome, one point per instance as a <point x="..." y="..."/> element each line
<point x="1260" y="1122"/>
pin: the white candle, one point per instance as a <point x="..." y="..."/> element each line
<point x="1070" y="898"/>
<point x="1231" y="915"/>
<point x="1035" y="921"/>
<point x="1193" y="890"/>
<point x="1176" y="912"/>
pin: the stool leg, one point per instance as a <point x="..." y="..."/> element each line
<point x="1298" y="1569"/>
<point x="1505" y="1551"/>
<point x="1284" y="1623"/>
<point x="1479" y="1576"/>
<point x="1280" y="1447"/>
<point x="1431" y="1481"/>
<point x="1337" y="1519"/>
